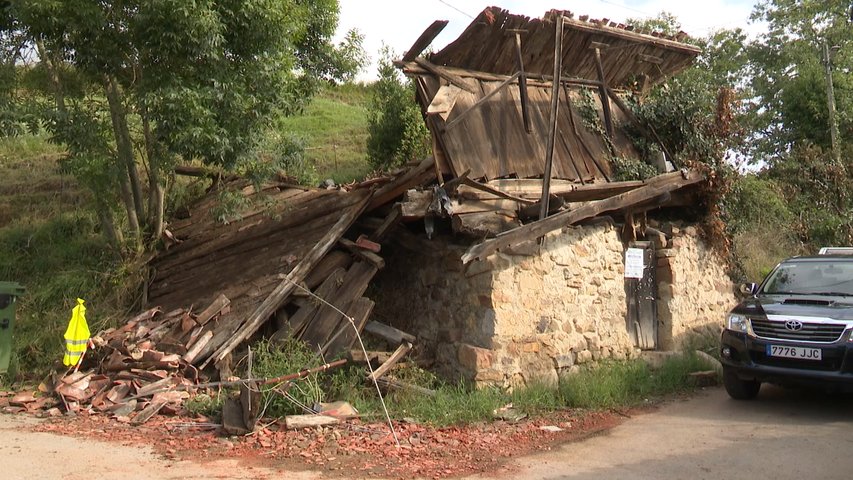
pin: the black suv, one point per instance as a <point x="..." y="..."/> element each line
<point x="796" y="328"/>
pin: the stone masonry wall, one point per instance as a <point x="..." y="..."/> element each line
<point x="525" y="314"/>
<point x="694" y="288"/>
<point x="531" y="313"/>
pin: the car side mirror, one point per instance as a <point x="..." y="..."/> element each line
<point x="749" y="289"/>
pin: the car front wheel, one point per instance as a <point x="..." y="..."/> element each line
<point x="740" y="389"/>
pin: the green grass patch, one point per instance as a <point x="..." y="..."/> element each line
<point x="334" y="129"/>
<point x="57" y="260"/>
<point x="605" y="385"/>
<point x="621" y="384"/>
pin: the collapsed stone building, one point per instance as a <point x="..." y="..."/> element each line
<point x="515" y="253"/>
<point x="532" y="179"/>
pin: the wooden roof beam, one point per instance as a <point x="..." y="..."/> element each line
<point x="653" y="188"/>
<point x="424" y="40"/>
<point x="447" y="75"/>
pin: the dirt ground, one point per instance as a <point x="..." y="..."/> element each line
<point x="172" y="447"/>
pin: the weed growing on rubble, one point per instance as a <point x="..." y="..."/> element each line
<point x="276" y="359"/>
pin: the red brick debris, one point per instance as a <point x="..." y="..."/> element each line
<point x="353" y="448"/>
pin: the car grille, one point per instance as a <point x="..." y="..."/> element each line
<point x="811" y="332"/>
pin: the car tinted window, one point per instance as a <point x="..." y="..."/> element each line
<point x="815" y="278"/>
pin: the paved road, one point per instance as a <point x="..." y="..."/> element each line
<point x="782" y="435"/>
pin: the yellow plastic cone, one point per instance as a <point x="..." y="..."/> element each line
<point x="76" y="335"/>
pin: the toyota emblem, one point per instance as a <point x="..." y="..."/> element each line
<point x="794" y="325"/>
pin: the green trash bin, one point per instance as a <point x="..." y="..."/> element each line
<point x="9" y="293"/>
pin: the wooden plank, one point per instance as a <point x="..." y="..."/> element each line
<point x="213" y="309"/>
<point x="390" y="222"/>
<point x="602" y="92"/>
<point x="424" y="40"/>
<point x="415" y="204"/>
<point x="292" y="422"/>
<point x="359" y="310"/>
<point x="362" y="253"/>
<point x="654" y="187"/>
<point x="522" y="85"/>
<point x="334" y="260"/>
<point x="444" y="101"/>
<point x="398" y="355"/>
<point x="552" y="122"/>
<point x="494" y="191"/>
<point x="279" y="295"/>
<point x="480" y="102"/>
<point x="484" y="224"/>
<point x="303" y="316"/>
<point x="198" y="346"/>
<point x="477" y="206"/>
<point x="356" y="355"/>
<point x="443" y="73"/>
<point x="325" y="323"/>
<point x="412" y="178"/>
<point x="388" y="333"/>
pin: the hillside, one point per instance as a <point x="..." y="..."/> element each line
<point x="50" y="240"/>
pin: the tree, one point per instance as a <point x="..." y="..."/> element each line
<point x="397" y="133"/>
<point x="162" y="80"/>
<point x="790" y="107"/>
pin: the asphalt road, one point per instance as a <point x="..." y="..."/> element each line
<point x="783" y="434"/>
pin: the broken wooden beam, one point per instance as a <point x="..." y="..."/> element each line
<point x="424" y="40"/>
<point x="391" y="220"/>
<point x="325" y="323"/>
<point x="279" y="295"/>
<point x="303" y="316"/>
<point x="522" y="85"/>
<point x="213" y="309"/>
<point x="602" y="92"/>
<point x="484" y="224"/>
<point x="293" y="422"/>
<point x="359" y="310"/>
<point x="653" y="187"/>
<point x="390" y="382"/>
<point x="552" y="120"/>
<point x="363" y="253"/>
<point x="390" y="334"/>
<point x="447" y="75"/>
<point x="395" y="357"/>
<point x="414" y="177"/>
<point x="356" y="355"/>
<point x="480" y="102"/>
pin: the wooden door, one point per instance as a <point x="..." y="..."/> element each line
<point x="641" y="293"/>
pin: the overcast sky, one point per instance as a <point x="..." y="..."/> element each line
<point x="398" y="23"/>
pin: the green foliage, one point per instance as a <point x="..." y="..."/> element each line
<point x="334" y="130"/>
<point x="788" y="74"/>
<point x="631" y="169"/>
<point x="396" y="126"/>
<point x="58" y="260"/>
<point x="756" y="202"/>
<point x="205" y="404"/>
<point x="274" y="360"/>
<point x="617" y="384"/>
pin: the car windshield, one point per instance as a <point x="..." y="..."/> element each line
<point x="811" y="278"/>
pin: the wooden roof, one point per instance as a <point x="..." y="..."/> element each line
<point x="491" y="140"/>
<point x="488" y="45"/>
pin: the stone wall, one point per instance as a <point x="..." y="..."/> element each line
<point x="694" y="288"/>
<point x="525" y="314"/>
<point x="533" y="312"/>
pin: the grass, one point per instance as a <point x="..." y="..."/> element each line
<point x="49" y="243"/>
<point x="334" y="128"/>
<point x="606" y="385"/>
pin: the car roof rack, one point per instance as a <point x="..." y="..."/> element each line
<point x="836" y="251"/>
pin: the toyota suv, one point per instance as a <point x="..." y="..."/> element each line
<point x="795" y="328"/>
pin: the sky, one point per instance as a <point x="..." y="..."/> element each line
<point x="398" y="23"/>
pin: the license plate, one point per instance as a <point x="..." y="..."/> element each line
<point x="800" y="353"/>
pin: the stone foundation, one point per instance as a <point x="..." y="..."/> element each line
<point x="534" y="312"/>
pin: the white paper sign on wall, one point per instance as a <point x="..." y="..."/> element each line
<point x="634" y="263"/>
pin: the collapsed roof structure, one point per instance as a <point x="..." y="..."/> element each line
<point x="514" y="159"/>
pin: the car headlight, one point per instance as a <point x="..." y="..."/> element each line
<point x="738" y="323"/>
